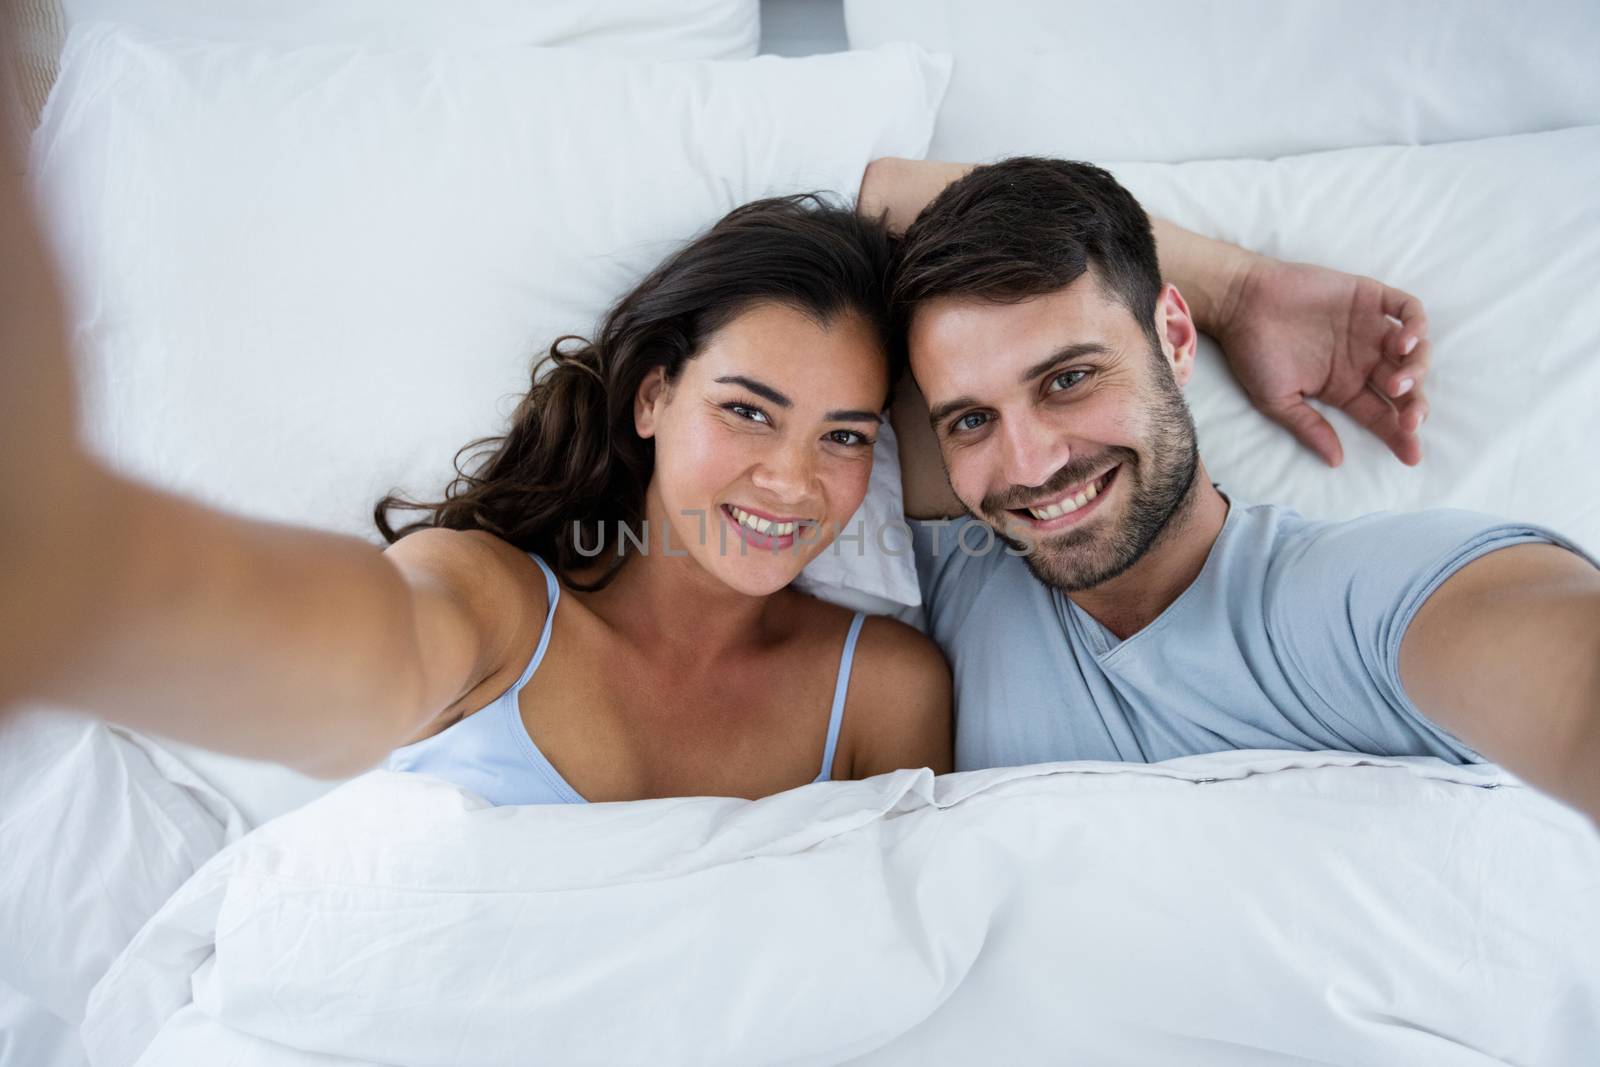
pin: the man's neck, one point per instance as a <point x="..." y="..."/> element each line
<point x="1133" y="599"/>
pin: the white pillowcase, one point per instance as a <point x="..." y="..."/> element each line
<point x="1167" y="80"/>
<point x="653" y="29"/>
<point x="1501" y="240"/>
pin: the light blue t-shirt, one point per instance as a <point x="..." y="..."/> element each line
<point x="1289" y="638"/>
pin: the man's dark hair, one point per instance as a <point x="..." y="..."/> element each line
<point x="1024" y="227"/>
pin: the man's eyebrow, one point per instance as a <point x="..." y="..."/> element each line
<point x="766" y="392"/>
<point x="949" y="407"/>
<point x="938" y="414"/>
<point x="1083" y="348"/>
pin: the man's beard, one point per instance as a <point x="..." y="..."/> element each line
<point x="1155" y="485"/>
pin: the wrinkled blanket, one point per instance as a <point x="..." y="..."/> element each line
<point x="1242" y="908"/>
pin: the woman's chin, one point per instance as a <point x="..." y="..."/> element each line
<point x="758" y="577"/>
<point x="757" y="572"/>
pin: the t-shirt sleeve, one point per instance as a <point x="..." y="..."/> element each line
<point x="954" y="557"/>
<point x="1341" y="595"/>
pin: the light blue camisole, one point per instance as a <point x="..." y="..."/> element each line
<point x="490" y="752"/>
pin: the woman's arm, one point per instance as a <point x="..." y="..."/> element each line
<point x="254" y="638"/>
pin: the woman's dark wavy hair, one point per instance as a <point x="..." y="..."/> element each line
<point x="571" y="460"/>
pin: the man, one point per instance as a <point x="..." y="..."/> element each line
<point x="1129" y="609"/>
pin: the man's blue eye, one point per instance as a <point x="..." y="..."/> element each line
<point x="1066" y="380"/>
<point x="972" y="420"/>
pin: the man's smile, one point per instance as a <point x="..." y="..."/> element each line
<point x="1067" y="508"/>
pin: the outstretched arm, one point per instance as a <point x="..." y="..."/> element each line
<point x="1291" y="332"/>
<point x="248" y="637"/>
<point x="1506" y="655"/>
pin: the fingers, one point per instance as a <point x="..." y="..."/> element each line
<point x="1411" y="324"/>
<point x="1406" y="309"/>
<point x="1399" y="373"/>
<point x="1394" y="422"/>
<point x="1411" y="411"/>
<point x="1309" y="428"/>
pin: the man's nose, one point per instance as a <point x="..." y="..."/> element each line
<point x="1032" y="452"/>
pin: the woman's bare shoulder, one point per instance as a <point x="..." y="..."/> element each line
<point x="477" y="598"/>
<point x="901" y="656"/>
<point x="475" y="565"/>
<point x="898" y="704"/>
<point x="899" y="708"/>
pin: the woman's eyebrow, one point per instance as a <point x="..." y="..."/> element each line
<point x="764" y="391"/>
<point x="767" y="392"/>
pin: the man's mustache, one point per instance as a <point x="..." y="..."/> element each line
<point x="1077" y="470"/>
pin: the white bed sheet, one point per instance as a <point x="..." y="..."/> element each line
<point x="32" y="1036"/>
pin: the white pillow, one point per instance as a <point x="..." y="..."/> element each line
<point x="653" y="29"/>
<point x="1165" y="80"/>
<point x="1501" y="240"/>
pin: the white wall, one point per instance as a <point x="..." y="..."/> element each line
<point x="802" y="27"/>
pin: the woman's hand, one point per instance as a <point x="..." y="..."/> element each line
<point x="1293" y="331"/>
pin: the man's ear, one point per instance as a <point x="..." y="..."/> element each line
<point x="649" y="400"/>
<point x="1176" y="329"/>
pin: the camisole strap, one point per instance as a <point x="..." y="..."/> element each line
<point x="553" y="594"/>
<point x="840" y="688"/>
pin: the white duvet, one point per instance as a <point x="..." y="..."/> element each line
<point x="1241" y="908"/>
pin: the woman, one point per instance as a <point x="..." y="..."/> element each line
<point x="635" y="675"/>
<point x="623" y="624"/>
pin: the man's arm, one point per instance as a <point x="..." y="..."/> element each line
<point x="1506" y="655"/>
<point x="923" y="483"/>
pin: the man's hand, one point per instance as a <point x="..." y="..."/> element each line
<point x="1293" y="331"/>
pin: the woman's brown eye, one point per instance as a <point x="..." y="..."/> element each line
<point x="745" y="411"/>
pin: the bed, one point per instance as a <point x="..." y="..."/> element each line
<point x="426" y="197"/>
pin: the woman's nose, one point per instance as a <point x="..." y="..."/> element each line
<point x="787" y="473"/>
